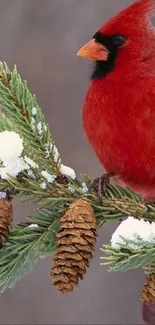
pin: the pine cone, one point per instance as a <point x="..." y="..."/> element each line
<point x="148" y="293"/>
<point x="5" y="219"/>
<point x="75" y="244"/>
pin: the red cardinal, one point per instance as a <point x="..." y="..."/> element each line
<point x="119" y="109"/>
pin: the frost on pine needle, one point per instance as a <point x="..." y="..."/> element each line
<point x="55" y="154"/>
<point x="51" y="150"/>
<point x="71" y="189"/>
<point x="39" y="128"/>
<point x="13" y="168"/>
<point x="134" y="233"/>
<point x="43" y="185"/>
<point x="30" y="162"/>
<point x="34" y="111"/>
<point x="84" y="188"/>
<point x="50" y="178"/>
<point x="33" y="124"/>
<point x="31" y="174"/>
<point x="33" y="225"/>
<point x="11" y="146"/>
<point x="47" y="151"/>
<point x="2" y="195"/>
<point x="67" y="171"/>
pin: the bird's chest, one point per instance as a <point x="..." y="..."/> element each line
<point x="119" y="126"/>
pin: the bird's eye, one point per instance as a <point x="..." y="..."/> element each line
<point x="119" y="40"/>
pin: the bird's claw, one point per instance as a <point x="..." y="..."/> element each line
<point x="100" y="184"/>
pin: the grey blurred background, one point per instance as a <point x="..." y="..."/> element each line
<point x="42" y="38"/>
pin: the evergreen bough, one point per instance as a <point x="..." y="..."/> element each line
<point x="26" y="244"/>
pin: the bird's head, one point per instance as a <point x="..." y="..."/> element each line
<point x="127" y="37"/>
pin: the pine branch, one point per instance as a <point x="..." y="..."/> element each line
<point x="118" y="202"/>
<point x="5" y="123"/>
<point x="126" y="259"/>
<point x="27" y="118"/>
<point x="26" y="244"/>
<point x="20" y="113"/>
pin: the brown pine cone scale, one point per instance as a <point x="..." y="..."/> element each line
<point x="5" y="219"/>
<point x="75" y="243"/>
<point x="148" y="293"/>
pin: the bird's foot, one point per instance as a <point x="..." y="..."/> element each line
<point x="100" y="184"/>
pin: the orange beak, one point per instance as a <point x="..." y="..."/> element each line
<point x="94" y="51"/>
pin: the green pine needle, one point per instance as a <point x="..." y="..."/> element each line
<point x="127" y="259"/>
<point x="19" y="105"/>
<point x="19" y="112"/>
<point x="25" y="245"/>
